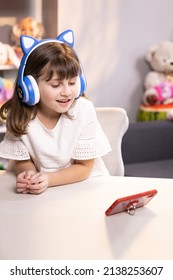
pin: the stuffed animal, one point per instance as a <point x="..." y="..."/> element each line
<point x="6" y="90"/>
<point x="158" y="95"/>
<point x="159" y="82"/>
<point x="8" y="55"/>
<point x="26" y="26"/>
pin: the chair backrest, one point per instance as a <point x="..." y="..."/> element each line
<point x="114" y="122"/>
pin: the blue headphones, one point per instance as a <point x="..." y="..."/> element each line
<point x="28" y="90"/>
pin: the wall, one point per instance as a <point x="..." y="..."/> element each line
<point x="111" y="40"/>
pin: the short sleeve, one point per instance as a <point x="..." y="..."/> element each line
<point x="13" y="148"/>
<point x="92" y="142"/>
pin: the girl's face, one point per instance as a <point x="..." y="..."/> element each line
<point x="57" y="96"/>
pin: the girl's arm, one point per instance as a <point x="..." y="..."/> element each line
<point x="78" y="171"/>
<point x="29" y="180"/>
<point x="21" y="165"/>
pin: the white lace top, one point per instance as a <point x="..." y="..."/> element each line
<point x="79" y="138"/>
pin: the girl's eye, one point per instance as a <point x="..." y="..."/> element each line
<point x="72" y="82"/>
<point x="55" y="86"/>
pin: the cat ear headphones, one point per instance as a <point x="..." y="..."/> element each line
<point x="27" y="88"/>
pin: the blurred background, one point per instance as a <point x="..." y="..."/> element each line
<point x="111" y="39"/>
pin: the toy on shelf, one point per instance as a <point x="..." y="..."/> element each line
<point x="26" y="26"/>
<point x="6" y="90"/>
<point x="157" y="101"/>
<point x="8" y="56"/>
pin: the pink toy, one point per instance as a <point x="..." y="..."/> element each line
<point x="6" y="90"/>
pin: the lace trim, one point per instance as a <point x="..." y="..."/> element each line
<point x="90" y="149"/>
<point x="13" y="150"/>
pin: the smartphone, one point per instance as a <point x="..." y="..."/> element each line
<point x="130" y="203"/>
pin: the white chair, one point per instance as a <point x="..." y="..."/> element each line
<point x="114" y="122"/>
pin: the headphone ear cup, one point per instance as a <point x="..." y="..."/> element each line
<point x="31" y="94"/>
<point x="81" y="84"/>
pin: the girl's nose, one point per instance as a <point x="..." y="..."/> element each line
<point x="66" y="90"/>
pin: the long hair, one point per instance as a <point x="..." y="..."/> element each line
<point x="46" y="60"/>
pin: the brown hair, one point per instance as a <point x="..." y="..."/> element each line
<point x="47" y="59"/>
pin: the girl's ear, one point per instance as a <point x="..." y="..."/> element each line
<point x="67" y="37"/>
<point x="27" y="43"/>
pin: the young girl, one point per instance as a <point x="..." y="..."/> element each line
<point x="53" y="136"/>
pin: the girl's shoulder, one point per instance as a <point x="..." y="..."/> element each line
<point x="83" y="107"/>
<point x="84" y="102"/>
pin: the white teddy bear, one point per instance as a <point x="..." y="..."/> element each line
<point x="159" y="82"/>
<point x="8" y="55"/>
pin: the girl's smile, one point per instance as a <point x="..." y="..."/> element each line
<point x="66" y="101"/>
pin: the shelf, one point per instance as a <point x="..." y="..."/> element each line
<point x="7" y="67"/>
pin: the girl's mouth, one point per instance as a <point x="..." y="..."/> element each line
<point x="63" y="101"/>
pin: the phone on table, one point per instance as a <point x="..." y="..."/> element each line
<point x="130" y="203"/>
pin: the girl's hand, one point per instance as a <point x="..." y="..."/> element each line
<point x="38" y="183"/>
<point x="23" y="181"/>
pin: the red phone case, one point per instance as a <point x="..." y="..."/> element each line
<point x="130" y="203"/>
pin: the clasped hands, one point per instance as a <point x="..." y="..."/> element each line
<point x="32" y="182"/>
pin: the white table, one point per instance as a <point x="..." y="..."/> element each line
<point x="69" y="222"/>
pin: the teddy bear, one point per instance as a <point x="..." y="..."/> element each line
<point x="8" y="55"/>
<point x="157" y="98"/>
<point x="26" y="26"/>
<point x="159" y="82"/>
